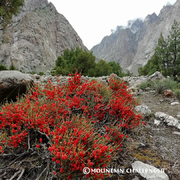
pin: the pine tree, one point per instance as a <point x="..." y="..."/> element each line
<point x="166" y="58"/>
<point x="174" y="48"/>
<point x="8" y="8"/>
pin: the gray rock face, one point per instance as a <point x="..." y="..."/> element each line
<point x="134" y="50"/>
<point x="121" y="45"/>
<point x="13" y="83"/>
<point x="37" y="36"/>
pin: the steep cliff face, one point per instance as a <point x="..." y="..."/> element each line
<point x="121" y="46"/>
<point x="136" y="48"/>
<point x="37" y="36"/>
<point x="147" y="45"/>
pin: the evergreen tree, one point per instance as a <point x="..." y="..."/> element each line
<point x="174" y="48"/>
<point x="103" y="68"/>
<point x="8" y="8"/>
<point x="116" y="69"/>
<point x="84" y="62"/>
<point x="166" y="58"/>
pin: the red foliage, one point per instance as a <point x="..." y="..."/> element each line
<point x="73" y="117"/>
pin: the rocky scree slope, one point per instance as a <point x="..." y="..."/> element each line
<point x="134" y="45"/>
<point x="37" y="36"/>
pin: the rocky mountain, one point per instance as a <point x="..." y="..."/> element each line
<point x="37" y="36"/>
<point x="133" y="46"/>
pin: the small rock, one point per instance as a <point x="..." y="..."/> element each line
<point x="174" y="103"/>
<point x="178" y="115"/>
<point x="136" y="178"/>
<point x="177" y="133"/>
<point x="168" y="93"/>
<point x="157" y="122"/>
<point x="143" y="109"/>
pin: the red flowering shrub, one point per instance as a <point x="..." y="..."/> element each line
<point x="80" y="125"/>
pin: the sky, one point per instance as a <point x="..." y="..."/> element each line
<point x="94" y="19"/>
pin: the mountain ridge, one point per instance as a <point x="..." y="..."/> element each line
<point x="37" y="36"/>
<point x="144" y="39"/>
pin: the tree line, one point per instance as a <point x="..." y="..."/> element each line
<point x="85" y="63"/>
<point x="166" y="57"/>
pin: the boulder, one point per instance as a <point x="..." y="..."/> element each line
<point x="156" y="76"/>
<point x="149" y="172"/>
<point x="167" y="119"/>
<point x="13" y="83"/>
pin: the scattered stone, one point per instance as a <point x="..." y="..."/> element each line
<point x="177" y="133"/>
<point x="143" y="109"/>
<point x="178" y="115"/>
<point x="136" y="178"/>
<point x="174" y="103"/>
<point x="13" y="83"/>
<point x="171" y="121"/>
<point x="149" y="172"/>
<point x="168" y="93"/>
<point x="156" y="76"/>
<point x="157" y="122"/>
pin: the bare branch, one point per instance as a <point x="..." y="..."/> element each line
<point x="15" y="175"/>
<point x="20" y="176"/>
<point x="50" y="142"/>
<point x="3" y="174"/>
<point x="42" y="173"/>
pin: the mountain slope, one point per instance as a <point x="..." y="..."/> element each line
<point x="37" y="36"/>
<point x="143" y="39"/>
<point x="147" y="45"/>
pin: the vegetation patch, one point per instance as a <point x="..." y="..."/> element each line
<point x="57" y="131"/>
<point x="85" y="63"/>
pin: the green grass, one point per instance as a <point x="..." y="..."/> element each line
<point x="161" y="85"/>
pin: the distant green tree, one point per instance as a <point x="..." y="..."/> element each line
<point x="84" y="62"/>
<point x="2" y="67"/>
<point x="77" y="58"/>
<point x="12" y="67"/>
<point x="174" y="49"/>
<point x="8" y="8"/>
<point x="153" y="65"/>
<point x="116" y="69"/>
<point x="103" y="68"/>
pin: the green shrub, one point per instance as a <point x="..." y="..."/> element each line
<point x="41" y="73"/>
<point x="161" y="85"/>
<point x="145" y="85"/>
<point x="12" y="67"/>
<point x="2" y="67"/>
<point x="177" y="93"/>
<point x="84" y="62"/>
<point x="33" y="72"/>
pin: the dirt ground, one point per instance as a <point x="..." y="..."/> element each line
<point x="158" y="145"/>
<point x="159" y="103"/>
